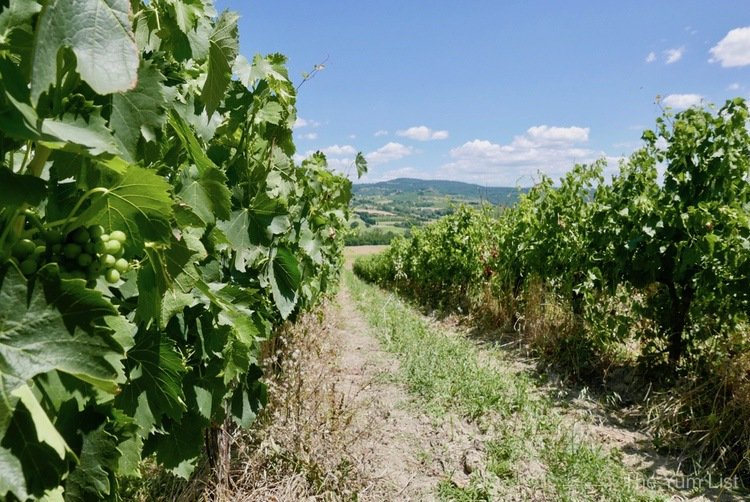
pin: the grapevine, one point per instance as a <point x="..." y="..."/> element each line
<point x="154" y="231"/>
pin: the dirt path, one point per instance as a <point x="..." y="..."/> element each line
<point x="403" y="449"/>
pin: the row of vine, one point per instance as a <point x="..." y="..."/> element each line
<point x="651" y="266"/>
<point x="154" y="230"/>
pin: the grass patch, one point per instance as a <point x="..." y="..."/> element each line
<point x="532" y="451"/>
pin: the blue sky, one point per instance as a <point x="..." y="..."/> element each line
<point x="494" y="92"/>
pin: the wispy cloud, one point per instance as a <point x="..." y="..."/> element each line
<point x="422" y="133"/>
<point x="673" y="55"/>
<point x="682" y="101"/>
<point x="651" y="57"/>
<point x="547" y="149"/>
<point x="733" y="50"/>
<point x="388" y="153"/>
<point x="381" y="132"/>
<point x="308" y="135"/>
<point x="300" y="122"/>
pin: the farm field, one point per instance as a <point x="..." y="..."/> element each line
<point x="208" y="293"/>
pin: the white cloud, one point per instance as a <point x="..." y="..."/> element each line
<point x="381" y="132"/>
<point x="309" y="135"/>
<point x="422" y="133"/>
<point x="389" y="152"/>
<point x="682" y="101"/>
<point x="547" y="134"/>
<point x="732" y="50"/>
<point x="550" y="150"/>
<point x="674" y="55"/>
<point x="352" y="136"/>
<point x="338" y="150"/>
<point x="651" y="57"/>
<point x="734" y="87"/>
<point x="300" y="122"/>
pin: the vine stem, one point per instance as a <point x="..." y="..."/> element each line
<point x="85" y="196"/>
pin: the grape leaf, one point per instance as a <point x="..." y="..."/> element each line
<point x="222" y="52"/>
<point x="206" y="193"/>
<point x="34" y="340"/>
<point x="153" y="282"/>
<point x="11" y="475"/>
<point x="361" y="164"/>
<point x="93" y="134"/>
<point x="284" y="276"/>
<point x="138" y="204"/>
<point x="91" y="478"/>
<point x="78" y="305"/>
<point x="101" y="36"/>
<point x="139" y="112"/>
<point x="17" y="189"/>
<point x="156" y="371"/>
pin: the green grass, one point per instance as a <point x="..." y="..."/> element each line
<point x="533" y="451"/>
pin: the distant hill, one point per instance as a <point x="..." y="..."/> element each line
<point x="496" y="195"/>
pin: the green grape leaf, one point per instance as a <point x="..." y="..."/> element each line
<point x="153" y="282"/>
<point x="310" y="243"/>
<point x="92" y="477"/>
<point x="222" y="52"/>
<point x="249" y="397"/>
<point x="361" y="163"/>
<point x="79" y="305"/>
<point x="139" y="112"/>
<point x="45" y="430"/>
<point x="191" y="143"/>
<point x="138" y="204"/>
<point x="179" y="447"/>
<point x="11" y="475"/>
<point x="284" y="276"/>
<point x="41" y="465"/>
<point x="155" y="387"/>
<point x="185" y="13"/>
<point x="93" y="134"/>
<point x="34" y="340"/>
<point x="100" y="34"/>
<point x="17" y="190"/>
<point x="206" y="193"/>
<point x="271" y="113"/>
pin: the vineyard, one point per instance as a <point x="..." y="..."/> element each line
<point x="644" y="276"/>
<point x="154" y="231"/>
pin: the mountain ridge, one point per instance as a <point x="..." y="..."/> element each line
<point x="494" y="195"/>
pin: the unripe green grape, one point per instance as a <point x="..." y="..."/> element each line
<point x="120" y="253"/>
<point x="122" y="265"/>
<point x="96" y="231"/>
<point x="28" y="266"/>
<point x="71" y="250"/>
<point x="23" y="248"/>
<point x="53" y="237"/>
<point x="91" y="283"/>
<point x="84" y="260"/>
<point x="104" y="237"/>
<point x="113" y="247"/>
<point x="108" y="260"/>
<point x="39" y="251"/>
<point x="100" y="247"/>
<point x="112" y="276"/>
<point x="56" y="248"/>
<point x="89" y="248"/>
<point x="119" y="236"/>
<point x="80" y="236"/>
<point x="94" y="270"/>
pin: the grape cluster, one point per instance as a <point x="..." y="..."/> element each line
<point x="84" y="253"/>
